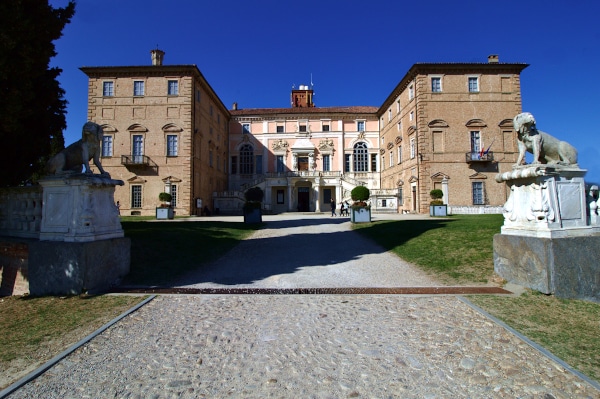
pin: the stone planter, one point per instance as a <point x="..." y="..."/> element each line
<point x="164" y="213"/>
<point x="253" y="215"/>
<point x="438" y="210"/>
<point x="360" y="215"/>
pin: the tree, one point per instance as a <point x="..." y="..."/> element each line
<point x="32" y="104"/>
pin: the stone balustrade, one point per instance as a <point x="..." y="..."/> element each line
<point x="21" y="211"/>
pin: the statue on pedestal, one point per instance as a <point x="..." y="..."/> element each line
<point x="71" y="159"/>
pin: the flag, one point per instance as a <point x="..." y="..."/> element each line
<point x="488" y="149"/>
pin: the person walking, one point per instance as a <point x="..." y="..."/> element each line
<point x="333" y="207"/>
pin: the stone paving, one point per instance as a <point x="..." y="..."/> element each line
<point x="307" y="346"/>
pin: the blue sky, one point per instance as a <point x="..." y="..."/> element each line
<point x="252" y="52"/>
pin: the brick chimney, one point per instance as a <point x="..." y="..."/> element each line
<point x="493" y="59"/>
<point x="157" y="56"/>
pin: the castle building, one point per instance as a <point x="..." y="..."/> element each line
<point x="445" y="125"/>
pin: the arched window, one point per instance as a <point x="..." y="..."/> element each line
<point x="246" y="159"/>
<point x="361" y="157"/>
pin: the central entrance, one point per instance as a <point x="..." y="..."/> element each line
<point x="303" y="199"/>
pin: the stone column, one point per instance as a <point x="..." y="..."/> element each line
<point x="317" y="192"/>
<point x="290" y="202"/>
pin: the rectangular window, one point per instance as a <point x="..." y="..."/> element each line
<point x="107" y="146"/>
<point x="233" y="165"/>
<point x="173" y="88"/>
<point x="210" y="158"/>
<point x="413" y="149"/>
<point x="302" y="128"/>
<point x="108" y="89"/>
<point x="280" y="197"/>
<point x="259" y="164"/>
<point x="398" y="106"/>
<point x="477" y="193"/>
<point x="346" y="162"/>
<point x="326" y="127"/>
<point x="360" y="126"/>
<point x="412" y="115"/>
<point x="173" y="195"/>
<point x="475" y="142"/>
<point x="436" y="85"/>
<point x="400" y="154"/>
<point x="383" y="203"/>
<point x="136" y="196"/>
<point x="411" y="92"/>
<point x="382" y="163"/>
<point x="389" y="114"/>
<point x="171" y="145"/>
<point x="373" y="162"/>
<point x="137" y="148"/>
<point x="246" y="128"/>
<point x="400" y="200"/>
<point x="138" y="88"/>
<point x="473" y="84"/>
<point x="280" y="129"/>
<point x="391" y="159"/>
<point x="326" y="163"/>
<point x="280" y="164"/>
<point x="399" y="126"/>
<point x="198" y="95"/>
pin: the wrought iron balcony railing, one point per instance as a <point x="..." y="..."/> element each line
<point x="479" y="157"/>
<point x="135" y="160"/>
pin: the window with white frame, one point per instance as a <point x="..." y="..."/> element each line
<point x="137" y="143"/>
<point x="107" y="146"/>
<point x="399" y="154"/>
<point x="399" y="126"/>
<point x="173" y="88"/>
<point x="389" y="114"/>
<point x="473" y="84"/>
<point x="398" y="106"/>
<point x="400" y="194"/>
<point x="436" y="84"/>
<point x="326" y="163"/>
<point x="108" y="89"/>
<point x="173" y="195"/>
<point x="325" y="126"/>
<point x="412" y="115"/>
<point x="245" y="128"/>
<point x="478" y="197"/>
<point x="172" y="145"/>
<point x="347" y="158"/>
<point x="475" y="142"/>
<point x="280" y="128"/>
<point x="136" y="196"/>
<point x="413" y="148"/>
<point x="360" y="126"/>
<point x="411" y="92"/>
<point x="247" y="159"/>
<point x="391" y="159"/>
<point x="138" y="88"/>
<point x="361" y="157"/>
<point x="373" y="162"/>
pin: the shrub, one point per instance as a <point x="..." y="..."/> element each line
<point x="360" y="194"/>
<point x="436" y="202"/>
<point x="254" y="194"/>
<point x="436" y="194"/>
<point x="165" y="197"/>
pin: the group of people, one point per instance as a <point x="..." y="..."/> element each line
<point x="344" y="208"/>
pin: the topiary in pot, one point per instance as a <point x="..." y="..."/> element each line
<point x="254" y="197"/>
<point x="360" y="194"/>
<point x="165" y="198"/>
<point x="436" y="196"/>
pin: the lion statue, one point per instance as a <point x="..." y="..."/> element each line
<point x="79" y="153"/>
<point x="545" y="148"/>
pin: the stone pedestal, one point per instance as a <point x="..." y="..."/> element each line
<point x="79" y="208"/>
<point x="548" y="242"/>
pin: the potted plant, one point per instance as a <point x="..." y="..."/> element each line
<point x="360" y="211"/>
<point x="253" y="206"/>
<point x="437" y="206"/>
<point x="164" y="211"/>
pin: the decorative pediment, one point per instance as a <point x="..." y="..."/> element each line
<point x="439" y="176"/>
<point x="413" y="179"/>
<point x="136" y="180"/>
<point x="171" y="179"/>
<point x="438" y="123"/>
<point x="400" y="183"/>
<point x="137" y="128"/>
<point x="411" y="130"/>
<point x="109" y="129"/>
<point x="398" y="140"/>
<point x="506" y="124"/>
<point x="326" y="145"/>
<point x="478" y="176"/>
<point x="475" y="123"/>
<point x="171" y="128"/>
<point x="280" y="145"/>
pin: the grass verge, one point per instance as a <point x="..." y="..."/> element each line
<point x="456" y="250"/>
<point x="34" y="330"/>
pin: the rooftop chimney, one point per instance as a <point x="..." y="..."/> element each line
<point x="235" y="106"/>
<point x="157" y="56"/>
<point x="493" y="59"/>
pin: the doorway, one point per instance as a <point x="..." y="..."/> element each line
<point x="303" y="199"/>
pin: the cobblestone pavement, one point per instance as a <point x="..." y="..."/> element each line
<point x="305" y="346"/>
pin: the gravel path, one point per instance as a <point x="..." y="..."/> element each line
<point x="307" y="251"/>
<point x="307" y="346"/>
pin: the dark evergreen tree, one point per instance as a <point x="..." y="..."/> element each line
<point x="32" y="104"/>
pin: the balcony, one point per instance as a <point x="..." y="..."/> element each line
<point x="479" y="157"/>
<point x="135" y="160"/>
